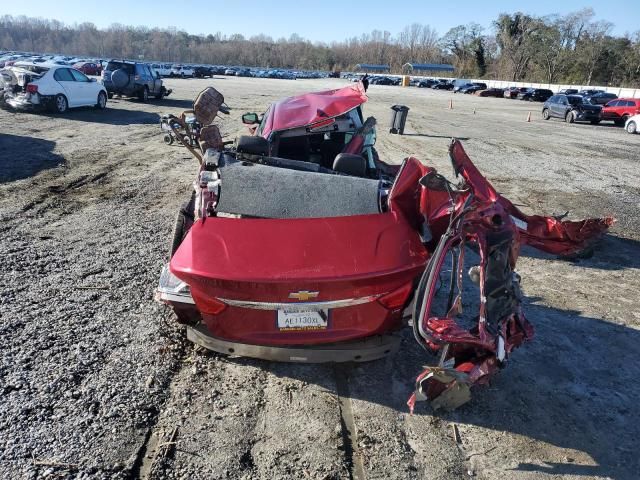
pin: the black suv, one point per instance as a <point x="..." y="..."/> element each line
<point x="535" y="95"/>
<point x="473" y="87"/>
<point x="428" y="83"/>
<point x="443" y="86"/>
<point x="571" y="108"/>
<point x="132" y="79"/>
<point x="201" y="71"/>
<point x="600" y="98"/>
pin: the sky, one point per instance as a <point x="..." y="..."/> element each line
<point x="324" y="20"/>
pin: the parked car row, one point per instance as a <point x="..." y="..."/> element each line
<point x="9" y="58"/>
<point x="591" y="96"/>
<point x="61" y="82"/>
<point x="575" y="108"/>
<point x="203" y="71"/>
<point x="571" y="105"/>
<point x="436" y="84"/>
<point x="94" y="66"/>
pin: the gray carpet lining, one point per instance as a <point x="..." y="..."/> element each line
<point x="269" y="192"/>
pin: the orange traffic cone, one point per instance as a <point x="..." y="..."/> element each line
<point x="450" y="104"/>
<point x="529" y="117"/>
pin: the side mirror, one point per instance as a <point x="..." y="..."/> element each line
<point x="250" y="118"/>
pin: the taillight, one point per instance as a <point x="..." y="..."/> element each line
<point x="208" y="305"/>
<point x="397" y="299"/>
<point x="32" y="88"/>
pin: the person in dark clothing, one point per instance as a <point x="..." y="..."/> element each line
<point x="365" y="81"/>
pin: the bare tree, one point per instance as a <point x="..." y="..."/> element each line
<point x="553" y="48"/>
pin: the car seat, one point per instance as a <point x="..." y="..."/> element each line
<point x="351" y="164"/>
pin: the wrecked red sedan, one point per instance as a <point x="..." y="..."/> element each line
<point x="299" y="244"/>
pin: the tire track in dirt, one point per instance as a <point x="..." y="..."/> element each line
<point x="394" y="444"/>
<point x="215" y="406"/>
<point x="352" y="453"/>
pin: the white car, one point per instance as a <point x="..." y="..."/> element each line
<point x="182" y="71"/>
<point x="163" y="69"/>
<point x="58" y="87"/>
<point x="632" y="125"/>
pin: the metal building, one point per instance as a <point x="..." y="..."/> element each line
<point x="428" y="68"/>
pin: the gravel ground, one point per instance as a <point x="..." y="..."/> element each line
<point x="96" y="380"/>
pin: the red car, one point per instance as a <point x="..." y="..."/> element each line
<point x="620" y="109"/>
<point x="88" y="68"/>
<point x="301" y="245"/>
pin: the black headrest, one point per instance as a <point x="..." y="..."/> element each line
<point x="350" y="164"/>
<point x="253" y="145"/>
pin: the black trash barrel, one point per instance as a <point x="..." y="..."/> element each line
<point x="398" y="119"/>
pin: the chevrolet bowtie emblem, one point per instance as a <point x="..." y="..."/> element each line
<point x="303" y="295"/>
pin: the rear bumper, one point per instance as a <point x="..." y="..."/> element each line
<point x="364" y="350"/>
<point x="23" y="101"/>
<point x="19" y="103"/>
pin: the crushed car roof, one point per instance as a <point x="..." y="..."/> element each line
<point x="311" y="108"/>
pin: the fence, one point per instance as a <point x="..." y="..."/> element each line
<point x="619" y="91"/>
<point x="555" y="87"/>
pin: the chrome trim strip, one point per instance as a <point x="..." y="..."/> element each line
<point x="347" y="302"/>
<point x="176" y="297"/>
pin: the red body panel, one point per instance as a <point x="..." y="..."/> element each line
<point x="265" y="260"/>
<point x="544" y="233"/>
<point x="482" y="216"/>
<point x="310" y="108"/>
<point x="259" y="327"/>
<point x="631" y="107"/>
<point x="88" y="68"/>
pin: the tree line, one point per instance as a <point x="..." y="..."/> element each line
<point x="573" y="48"/>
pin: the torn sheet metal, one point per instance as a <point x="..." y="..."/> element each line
<point x="477" y="215"/>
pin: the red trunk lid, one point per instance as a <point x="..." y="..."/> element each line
<point x="267" y="259"/>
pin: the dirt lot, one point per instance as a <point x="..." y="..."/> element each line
<point x="96" y="381"/>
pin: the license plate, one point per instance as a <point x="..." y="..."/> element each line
<point x="298" y="320"/>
